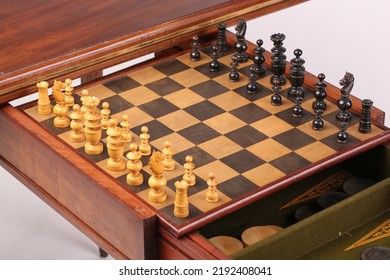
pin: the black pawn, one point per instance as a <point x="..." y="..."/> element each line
<point x="276" y="98"/>
<point x="297" y="75"/>
<point x="258" y="58"/>
<point x="318" y="123"/>
<point x="320" y="94"/>
<point x="342" y="136"/>
<point x="234" y="76"/>
<point x="251" y="87"/>
<point x="221" y="37"/>
<point x="214" y="64"/>
<point x="365" y="118"/>
<point x="297" y="110"/>
<point x="195" y="53"/>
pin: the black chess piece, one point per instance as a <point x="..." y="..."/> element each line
<point x="297" y="110"/>
<point x="320" y="94"/>
<point x="234" y="76"/>
<point x="241" y="45"/>
<point x="221" y="37"/>
<point x="365" y="118"/>
<point x="318" y="123"/>
<point x="297" y="75"/>
<point x="214" y="64"/>
<point x="276" y="98"/>
<point x="345" y="103"/>
<point x="278" y="63"/>
<point x="251" y="87"/>
<point x="258" y="58"/>
<point x="195" y="53"/>
<point x="342" y="135"/>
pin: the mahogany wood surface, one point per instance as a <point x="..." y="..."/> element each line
<point x="44" y="40"/>
<point x="110" y="216"/>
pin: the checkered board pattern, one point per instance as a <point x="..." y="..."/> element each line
<point x="247" y="142"/>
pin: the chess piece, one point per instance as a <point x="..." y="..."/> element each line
<point x="345" y="103"/>
<point x="234" y="76"/>
<point x="92" y="126"/>
<point x="44" y="107"/>
<point x="195" y="53"/>
<point x="105" y="112"/>
<point x="69" y="99"/>
<point x="212" y="192"/>
<point x="241" y="45"/>
<point x="278" y="63"/>
<point x="181" y="209"/>
<point x="258" y="58"/>
<point x="365" y="118"/>
<point x="57" y="90"/>
<point x="342" y="136"/>
<point x="320" y="94"/>
<point x="318" y="123"/>
<point x="276" y="98"/>
<point x="145" y="148"/>
<point x="214" y="65"/>
<point x="115" y="147"/>
<point x="297" y="75"/>
<point x="76" y="124"/>
<point x="251" y="87"/>
<point x="134" y="165"/>
<point x="157" y="181"/>
<point x="60" y="109"/>
<point x="221" y="37"/>
<point x="297" y="110"/>
<point x="189" y="176"/>
<point x="168" y="162"/>
<point x="84" y="94"/>
<point x="126" y="134"/>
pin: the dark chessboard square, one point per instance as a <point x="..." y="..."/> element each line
<point x="94" y="158"/>
<point x="209" y="89"/>
<point x="331" y="118"/>
<point x="193" y="213"/>
<point x="250" y="113"/>
<point x="199" y="133"/>
<point x="288" y="117"/>
<point x="171" y="67"/>
<point x="158" y="107"/>
<point x="208" y="49"/>
<point x="331" y="141"/>
<point x="199" y="186"/>
<point x="200" y="157"/>
<point x="205" y="70"/>
<point x="164" y="86"/>
<point x="242" y="161"/>
<point x="121" y="84"/>
<point x="294" y="139"/>
<point x="290" y="163"/>
<point x="246" y="136"/>
<point x="262" y="92"/>
<point x="245" y="71"/>
<point x="204" y="110"/>
<point x="156" y="129"/>
<point x="237" y="186"/>
<point x="49" y="125"/>
<point x="117" y="104"/>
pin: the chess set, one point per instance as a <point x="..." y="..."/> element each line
<point x="202" y="133"/>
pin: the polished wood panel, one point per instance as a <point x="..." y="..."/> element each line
<point x="59" y="39"/>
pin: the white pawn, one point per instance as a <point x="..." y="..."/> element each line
<point x="76" y="124"/>
<point x="125" y="124"/>
<point x="84" y="95"/>
<point x="134" y="165"/>
<point x="105" y="115"/>
<point x="189" y="176"/>
<point x="168" y="162"/>
<point x="145" y="148"/>
<point x="212" y="192"/>
<point x="69" y="99"/>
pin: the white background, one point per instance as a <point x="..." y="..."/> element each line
<point x="335" y="36"/>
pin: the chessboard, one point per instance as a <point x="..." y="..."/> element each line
<point x="248" y="143"/>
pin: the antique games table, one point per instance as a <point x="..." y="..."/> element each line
<point x="268" y="164"/>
